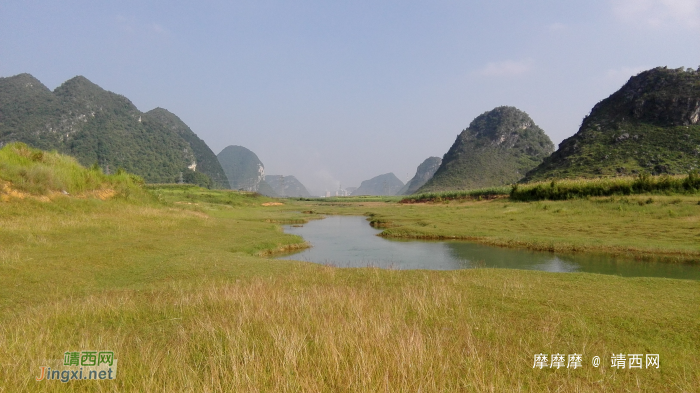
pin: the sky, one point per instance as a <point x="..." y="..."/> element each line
<point x="337" y="92"/>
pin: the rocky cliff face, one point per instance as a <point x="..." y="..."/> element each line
<point x="659" y="96"/>
<point x="425" y="172"/>
<point x="651" y="124"/>
<point x="497" y="148"/>
<point x="386" y="184"/>
<point x="93" y="125"/>
<point x="242" y="167"/>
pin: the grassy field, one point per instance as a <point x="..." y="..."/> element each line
<point x="178" y="288"/>
<point x="27" y="172"/>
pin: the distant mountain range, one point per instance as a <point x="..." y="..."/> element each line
<point x="287" y="186"/>
<point x="99" y="127"/>
<point x="652" y="124"/>
<point x="499" y="147"/>
<point x="386" y="184"/>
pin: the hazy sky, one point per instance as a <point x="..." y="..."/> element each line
<point x="342" y="91"/>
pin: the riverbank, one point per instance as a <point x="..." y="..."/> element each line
<point x="644" y="227"/>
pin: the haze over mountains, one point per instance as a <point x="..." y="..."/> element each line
<point x="287" y="186"/>
<point x="243" y="168"/>
<point x="386" y="184"/>
<point x="425" y="172"/>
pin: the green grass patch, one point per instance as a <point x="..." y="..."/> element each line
<point x="35" y="172"/>
<point x="478" y="194"/>
<point x="187" y="193"/>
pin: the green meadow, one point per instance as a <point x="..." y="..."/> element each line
<point x="177" y="281"/>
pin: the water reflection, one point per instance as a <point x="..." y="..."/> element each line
<point x="350" y="242"/>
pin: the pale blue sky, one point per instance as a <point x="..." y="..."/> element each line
<point x="343" y="91"/>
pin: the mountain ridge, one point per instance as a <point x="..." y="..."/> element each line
<point x="386" y="184"/>
<point x="424" y="172"/>
<point x="81" y="119"/>
<point x="497" y="148"/>
<point x="287" y="186"/>
<point x="651" y="124"/>
<point x="243" y="168"/>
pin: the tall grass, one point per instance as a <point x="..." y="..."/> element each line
<point x="36" y="172"/>
<point x="321" y="329"/>
<point x="580" y="188"/>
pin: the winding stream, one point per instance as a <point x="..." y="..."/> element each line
<point x="349" y="241"/>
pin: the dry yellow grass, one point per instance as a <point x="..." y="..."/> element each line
<point x="323" y="329"/>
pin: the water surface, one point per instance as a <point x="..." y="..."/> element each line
<point x="347" y="241"/>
